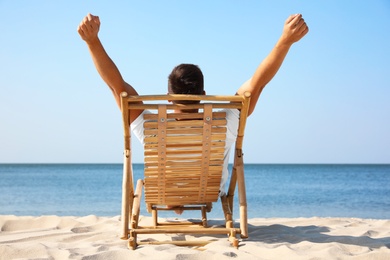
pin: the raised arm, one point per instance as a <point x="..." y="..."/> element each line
<point x="88" y="30"/>
<point x="294" y="29"/>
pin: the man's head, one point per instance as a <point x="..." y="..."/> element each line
<point x="186" y="79"/>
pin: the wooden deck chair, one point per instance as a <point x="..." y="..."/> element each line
<point x="184" y="156"/>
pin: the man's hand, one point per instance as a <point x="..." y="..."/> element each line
<point x="294" y="29"/>
<point x="89" y="28"/>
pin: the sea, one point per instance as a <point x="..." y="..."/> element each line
<point x="273" y="190"/>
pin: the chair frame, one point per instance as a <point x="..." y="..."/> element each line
<point x="131" y="197"/>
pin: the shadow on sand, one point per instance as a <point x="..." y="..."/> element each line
<point x="275" y="234"/>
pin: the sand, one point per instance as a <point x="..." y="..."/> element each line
<point x="92" y="237"/>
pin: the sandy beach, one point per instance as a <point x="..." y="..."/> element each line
<point x="92" y="237"/>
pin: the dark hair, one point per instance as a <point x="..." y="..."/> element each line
<point x="186" y="79"/>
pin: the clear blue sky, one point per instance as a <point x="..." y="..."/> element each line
<point x="329" y="103"/>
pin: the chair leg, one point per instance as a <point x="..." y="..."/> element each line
<point x="233" y="239"/>
<point x="154" y="216"/>
<point x="239" y="162"/>
<point x="135" y="214"/>
<point x="232" y="187"/>
<point x="132" y="244"/>
<point x="204" y="217"/>
<point x="209" y="206"/>
<point x="136" y="204"/>
<point x="227" y="212"/>
<point x="127" y="195"/>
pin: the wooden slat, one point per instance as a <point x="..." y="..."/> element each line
<point x="184" y="191"/>
<point x="192" y="130"/>
<point x="184" y="180"/>
<point x="183" y="175"/>
<point x="150" y="146"/>
<point x="175" y="187"/>
<point x="180" y="170"/>
<point x="177" y="191"/>
<point x="188" y="195"/>
<point x="181" y="192"/>
<point x="153" y="117"/>
<point x="191" y="150"/>
<point x="189" y="230"/>
<point x="180" y="177"/>
<point x="174" y="194"/>
<point x="191" y="197"/>
<point x="177" y="179"/>
<point x="182" y="201"/>
<point x="186" y="138"/>
<point x="184" y="164"/>
<point x="175" y="168"/>
<point x="189" y="107"/>
<point x="151" y="161"/>
<point x="184" y="123"/>
<point x="176" y="97"/>
<point x="183" y="154"/>
<point x="179" y="159"/>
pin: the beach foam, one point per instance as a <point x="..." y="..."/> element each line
<point x="92" y="237"/>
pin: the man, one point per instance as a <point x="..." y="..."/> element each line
<point x="188" y="78"/>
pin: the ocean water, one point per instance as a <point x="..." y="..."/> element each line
<point x="361" y="191"/>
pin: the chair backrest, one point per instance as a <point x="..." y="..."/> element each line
<point x="184" y="144"/>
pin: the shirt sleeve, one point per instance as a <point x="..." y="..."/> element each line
<point x="137" y="127"/>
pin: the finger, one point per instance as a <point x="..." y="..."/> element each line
<point x="92" y="21"/>
<point x="93" y="18"/>
<point x="97" y="20"/>
<point x="86" y="28"/>
<point x="290" y="18"/>
<point x="302" y="30"/>
<point x="88" y="23"/>
<point x="294" y="22"/>
<point x="80" y="31"/>
<point x="305" y="31"/>
<point x="300" y="23"/>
